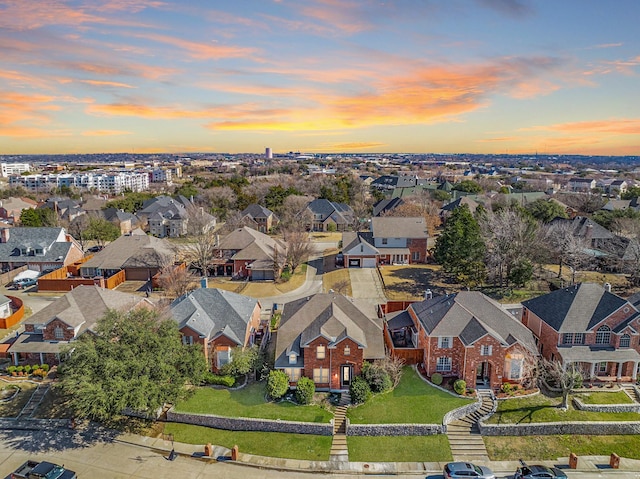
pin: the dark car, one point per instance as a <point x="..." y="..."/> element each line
<point x="94" y="249"/>
<point x="339" y="259"/>
<point x="467" y="470"/>
<point x="539" y="472"/>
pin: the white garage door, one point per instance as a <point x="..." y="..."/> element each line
<point x="368" y="262"/>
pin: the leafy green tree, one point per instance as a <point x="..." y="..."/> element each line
<point x="38" y="217"/>
<point x="243" y="361"/>
<point x="130" y="202"/>
<point x="187" y="190"/>
<point x="135" y="360"/>
<point x="441" y="195"/>
<point x="277" y="384"/>
<point x="545" y="211"/>
<point x="101" y="230"/>
<point x="359" y="390"/>
<point x="277" y="194"/>
<point x="632" y="192"/>
<point x="377" y="377"/>
<point x="305" y="389"/>
<point x="521" y="273"/>
<point x="460" y="248"/>
<point x="468" y="186"/>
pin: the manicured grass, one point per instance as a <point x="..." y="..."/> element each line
<point x="413" y="401"/>
<point x="542" y="408"/>
<point x="618" y="397"/>
<point x="249" y="402"/>
<point x="399" y="449"/>
<point x="12" y="408"/>
<point x="544" y="448"/>
<point x="338" y="280"/>
<point x="273" y="444"/>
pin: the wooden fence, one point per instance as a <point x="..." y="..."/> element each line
<point x="6" y="278"/>
<point x="408" y="355"/>
<point x="18" y="312"/>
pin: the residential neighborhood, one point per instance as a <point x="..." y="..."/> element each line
<point x="447" y="298"/>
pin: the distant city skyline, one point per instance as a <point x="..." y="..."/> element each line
<point x="412" y="76"/>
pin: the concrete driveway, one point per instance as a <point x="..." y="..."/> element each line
<point x="366" y="284"/>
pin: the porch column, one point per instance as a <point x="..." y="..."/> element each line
<point x="593" y="371"/>
<point x="635" y="370"/>
<point x="619" y="372"/>
<point x="41" y="358"/>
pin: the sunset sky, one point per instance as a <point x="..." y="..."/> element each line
<point x="454" y="76"/>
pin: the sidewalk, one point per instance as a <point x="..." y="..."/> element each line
<point x="598" y="464"/>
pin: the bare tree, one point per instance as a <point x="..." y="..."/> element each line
<point x="563" y="376"/>
<point x="299" y="248"/>
<point x="175" y="280"/>
<point x="294" y="212"/>
<point x="279" y="260"/>
<point x="201" y="251"/>
<point x="342" y="286"/>
<point x="419" y="205"/>
<point x="568" y="248"/>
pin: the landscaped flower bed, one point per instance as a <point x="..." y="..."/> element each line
<point x="38" y="371"/>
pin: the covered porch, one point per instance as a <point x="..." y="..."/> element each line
<point x="401" y="337"/>
<point x="604" y="364"/>
<point x="394" y="255"/>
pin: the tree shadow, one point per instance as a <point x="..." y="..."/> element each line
<point x="57" y="439"/>
<point x="414" y="282"/>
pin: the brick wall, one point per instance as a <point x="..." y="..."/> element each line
<point x="419" y="245"/>
<point x="332" y="361"/>
<point x="49" y="332"/>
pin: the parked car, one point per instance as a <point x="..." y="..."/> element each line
<point x="467" y="470"/>
<point x="539" y="472"/>
<point x="42" y="470"/>
<point x="94" y="249"/>
<point x="25" y="283"/>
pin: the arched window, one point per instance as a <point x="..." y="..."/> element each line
<point x="603" y="335"/>
<point x="625" y="341"/>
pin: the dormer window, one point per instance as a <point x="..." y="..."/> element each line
<point x="321" y="352"/>
<point x="293" y="358"/>
<point x="39" y="251"/>
<point x="58" y="333"/>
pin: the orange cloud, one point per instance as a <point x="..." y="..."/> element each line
<point x="351" y="146"/>
<point x="107" y="83"/>
<point x="615" y="126"/>
<point x="200" y="51"/>
<point x="105" y="133"/>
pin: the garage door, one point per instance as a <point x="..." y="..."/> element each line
<point x="368" y="262"/>
<point x="354" y="263"/>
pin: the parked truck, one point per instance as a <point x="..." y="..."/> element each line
<point x="42" y="470"/>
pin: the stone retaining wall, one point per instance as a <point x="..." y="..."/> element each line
<point x="461" y="412"/>
<point x="393" y="429"/>
<point x="550" y="428"/>
<point x="250" y="424"/>
<point x="606" y="407"/>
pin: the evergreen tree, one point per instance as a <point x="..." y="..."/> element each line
<point x="460" y="248"/>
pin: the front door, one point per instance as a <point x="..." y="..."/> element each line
<point x="483" y="374"/>
<point x="345" y="375"/>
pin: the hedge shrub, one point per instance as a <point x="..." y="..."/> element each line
<point x="277" y="384"/>
<point x="359" y="390"/>
<point x="436" y="378"/>
<point x="227" y="381"/>
<point x="305" y="390"/>
<point x="377" y="377"/>
<point x="460" y="386"/>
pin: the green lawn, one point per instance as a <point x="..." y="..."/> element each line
<point x="545" y="448"/>
<point x="413" y="401"/>
<point x="399" y="449"/>
<point x="273" y="444"/>
<point x="249" y="402"/>
<point x="542" y="408"/>
<point x="618" y="397"/>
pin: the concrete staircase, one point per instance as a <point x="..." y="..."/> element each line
<point x="631" y="392"/>
<point x="464" y="435"/>
<point x="34" y="401"/>
<point x="339" y="451"/>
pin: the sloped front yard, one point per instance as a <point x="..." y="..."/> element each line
<point x="249" y="402"/>
<point x="413" y="401"/>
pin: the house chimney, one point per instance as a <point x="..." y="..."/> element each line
<point x="607" y="287"/>
<point x="589" y="233"/>
<point x="428" y="294"/>
<point x="4" y="235"/>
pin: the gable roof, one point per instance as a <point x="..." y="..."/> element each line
<point x="352" y="239"/>
<point x="255" y="210"/>
<point x="213" y="312"/>
<point x="578" y="308"/>
<point x="332" y="316"/>
<point x="84" y="305"/>
<point x="132" y="251"/>
<point x="340" y="213"/>
<point x="250" y="244"/>
<point x="53" y="241"/>
<point x="396" y="226"/>
<point x="470" y="315"/>
<point x="383" y="206"/>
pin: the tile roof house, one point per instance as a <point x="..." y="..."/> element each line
<point x="588" y="325"/>
<point x="246" y="252"/>
<point x="326" y="337"/>
<point x="465" y="335"/>
<point x="39" y="248"/>
<point x="327" y="215"/>
<point x="140" y="256"/>
<point x="259" y="218"/>
<point x="393" y="240"/>
<point x="219" y="320"/>
<point x="67" y="318"/>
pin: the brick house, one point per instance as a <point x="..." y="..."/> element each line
<point x="326" y="337"/>
<point x="464" y="335"/>
<point x="587" y="325"/>
<point x="327" y="215"/>
<point x="66" y="319"/>
<point x="218" y="320"/>
<point x="392" y="240"/>
<point x="259" y="218"/>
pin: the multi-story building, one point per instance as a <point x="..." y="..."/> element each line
<point x="114" y="182"/>
<point x="9" y="169"/>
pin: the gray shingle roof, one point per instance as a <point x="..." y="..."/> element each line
<point x="339" y="212"/>
<point x="577" y="308"/>
<point x="398" y="227"/>
<point x="213" y="312"/>
<point x="256" y="211"/>
<point x="471" y="315"/>
<point x="134" y="251"/>
<point x="52" y="240"/>
<point x="332" y="316"/>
